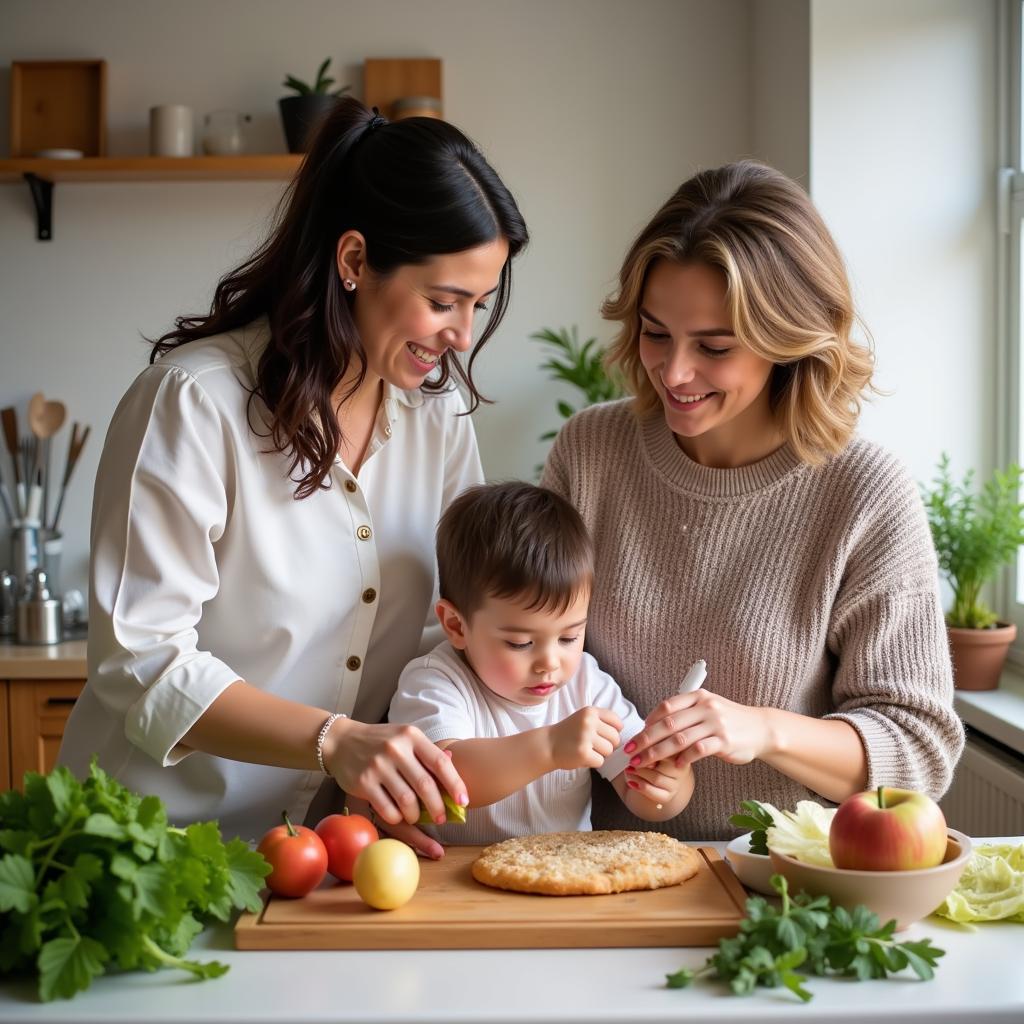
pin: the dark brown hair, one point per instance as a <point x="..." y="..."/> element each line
<point x="414" y="188"/>
<point x="512" y="540"/>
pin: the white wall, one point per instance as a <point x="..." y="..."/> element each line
<point x="591" y="110"/>
<point x="780" y="84"/>
<point x="903" y="167"/>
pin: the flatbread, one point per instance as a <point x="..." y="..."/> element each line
<point x="585" y="863"/>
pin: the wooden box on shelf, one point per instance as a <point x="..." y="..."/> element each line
<point x="387" y="80"/>
<point x="58" y="104"/>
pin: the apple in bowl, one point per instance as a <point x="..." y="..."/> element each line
<point x="888" y="829"/>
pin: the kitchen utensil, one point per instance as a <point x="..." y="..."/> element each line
<point x="52" y="544"/>
<point x="45" y="419"/>
<point x="8" y="602"/>
<point x="906" y="896"/>
<point x="75" y="446"/>
<point x="26" y="549"/>
<point x="32" y="479"/>
<point x="9" y="418"/>
<point x="39" y="613"/>
<point x="615" y="763"/>
<point x="6" y="500"/>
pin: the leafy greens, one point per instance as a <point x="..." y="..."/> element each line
<point x="92" y="877"/>
<point x="808" y="932"/>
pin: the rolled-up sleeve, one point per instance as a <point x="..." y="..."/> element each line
<point x="160" y="505"/>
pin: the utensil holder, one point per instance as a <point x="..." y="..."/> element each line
<point x="27" y="555"/>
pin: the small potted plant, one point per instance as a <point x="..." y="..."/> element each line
<point x="301" y="113"/>
<point x="975" y="536"/>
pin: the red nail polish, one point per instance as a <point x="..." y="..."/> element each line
<point x="635" y="761"/>
<point x="633" y="785"/>
<point x="629" y="747"/>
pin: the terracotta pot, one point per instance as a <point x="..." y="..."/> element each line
<point x="979" y="654"/>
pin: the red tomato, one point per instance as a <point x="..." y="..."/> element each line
<point x="345" y="835"/>
<point x="297" y="856"/>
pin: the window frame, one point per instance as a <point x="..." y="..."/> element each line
<point x="1010" y="285"/>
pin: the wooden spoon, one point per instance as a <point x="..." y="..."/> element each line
<point x="44" y="420"/>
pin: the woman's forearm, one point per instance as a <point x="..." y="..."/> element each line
<point x="498" y="767"/>
<point x="825" y="755"/>
<point x="248" y="724"/>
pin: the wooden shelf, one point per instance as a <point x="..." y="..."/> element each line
<point x="267" y="167"/>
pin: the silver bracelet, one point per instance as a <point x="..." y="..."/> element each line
<point x="321" y="736"/>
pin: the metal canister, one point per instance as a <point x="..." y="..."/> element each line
<point x="39" y="613"/>
<point x="8" y="602"/>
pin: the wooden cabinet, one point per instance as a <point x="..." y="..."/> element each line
<point x="35" y="712"/>
<point x="5" y="740"/>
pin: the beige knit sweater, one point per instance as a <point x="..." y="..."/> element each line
<point x="812" y="589"/>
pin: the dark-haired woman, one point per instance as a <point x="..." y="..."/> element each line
<point x="262" y="539"/>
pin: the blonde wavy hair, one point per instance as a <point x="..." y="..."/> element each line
<point x="787" y="291"/>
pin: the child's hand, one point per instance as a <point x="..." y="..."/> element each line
<point x="585" y="739"/>
<point x="658" y="783"/>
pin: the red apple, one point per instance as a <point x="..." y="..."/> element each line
<point x="887" y="829"/>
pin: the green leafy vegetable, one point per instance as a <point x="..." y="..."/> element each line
<point x="991" y="887"/>
<point x="808" y="932"/>
<point x="92" y="877"/>
<point x="757" y="819"/>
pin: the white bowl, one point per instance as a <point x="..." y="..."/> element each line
<point x="906" y="896"/>
<point x="753" y="869"/>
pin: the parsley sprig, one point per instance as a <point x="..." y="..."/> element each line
<point x="808" y="932"/>
<point x="93" y="877"/>
<point x="757" y="819"/>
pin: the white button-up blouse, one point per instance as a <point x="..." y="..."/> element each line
<point x="206" y="569"/>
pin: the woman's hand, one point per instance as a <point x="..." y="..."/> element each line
<point x="393" y="767"/>
<point x="689" y="726"/>
<point x="409" y="834"/>
<point x="659" y="783"/>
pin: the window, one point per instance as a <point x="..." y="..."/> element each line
<point x="1011" y="279"/>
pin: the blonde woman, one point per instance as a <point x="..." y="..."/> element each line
<point x="738" y="518"/>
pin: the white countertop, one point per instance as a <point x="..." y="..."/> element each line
<point x="997" y="713"/>
<point x="979" y="980"/>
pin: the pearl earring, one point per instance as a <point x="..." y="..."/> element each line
<point x="350" y="285"/>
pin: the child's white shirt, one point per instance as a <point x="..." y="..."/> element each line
<point x="440" y="694"/>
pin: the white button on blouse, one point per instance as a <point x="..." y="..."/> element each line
<point x="205" y="570"/>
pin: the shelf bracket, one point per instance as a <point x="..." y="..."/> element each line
<point x="42" y="197"/>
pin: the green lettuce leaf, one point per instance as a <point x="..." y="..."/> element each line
<point x="991" y="887"/>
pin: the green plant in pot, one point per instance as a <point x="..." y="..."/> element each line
<point x="301" y="113"/>
<point x="976" y="534"/>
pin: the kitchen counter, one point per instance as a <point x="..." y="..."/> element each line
<point x="54" y="661"/>
<point x="997" y="713"/>
<point x="978" y="980"/>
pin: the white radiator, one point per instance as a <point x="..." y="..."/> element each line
<point x="987" y="795"/>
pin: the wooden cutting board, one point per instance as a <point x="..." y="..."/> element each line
<point x="451" y="910"/>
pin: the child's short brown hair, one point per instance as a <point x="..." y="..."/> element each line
<point x="512" y="540"/>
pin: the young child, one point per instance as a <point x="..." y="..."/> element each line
<point x="524" y="712"/>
